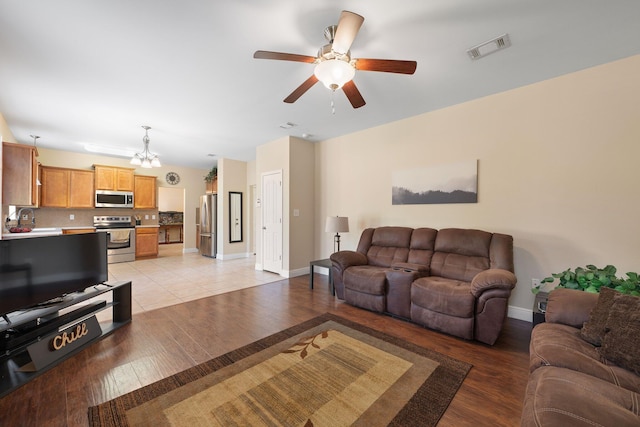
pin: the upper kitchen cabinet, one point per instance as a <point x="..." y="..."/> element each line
<point x="144" y="195"/>
<point x="113" y="178"/>
<point x="19" y="175"/>
<point x="66" y="188"/>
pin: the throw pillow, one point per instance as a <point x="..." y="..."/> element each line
<point x="621" y="343"/>
<point x="593" y="329"/>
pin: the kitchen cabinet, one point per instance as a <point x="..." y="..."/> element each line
<point x="113" y="178"/>
<point x="146" y="242"/>
<point x="19" y="175"/>
<point x="66" y="188"/>
<point x="144" y="195"/>
<point x="55" y="187"/>
<point x="212" y="186"/>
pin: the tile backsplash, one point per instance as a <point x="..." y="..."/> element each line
<point x="57" y="217"/>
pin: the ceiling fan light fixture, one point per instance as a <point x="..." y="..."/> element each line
<point x="334" y="73"/>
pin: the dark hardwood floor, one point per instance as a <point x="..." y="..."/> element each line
<point x="162" y="342"/>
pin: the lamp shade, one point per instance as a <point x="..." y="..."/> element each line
<point x="334" y="73"/>
<point x="5" y="132"/>
<point x="337" y="224"/>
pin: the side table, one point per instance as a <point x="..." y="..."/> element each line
<point x="326" y="263"/>
<point x="540" y="307"/>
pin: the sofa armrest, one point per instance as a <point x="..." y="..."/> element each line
<point x="408" y="267"/>
<point x="569" y="306"/>
<point x="494" y="278"/>
<point x="345" y="259"/>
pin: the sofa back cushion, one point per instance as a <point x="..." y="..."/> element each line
<point x="461" y="254"/>
<point x="421" y="246"/>
<point x="388" y="245"/>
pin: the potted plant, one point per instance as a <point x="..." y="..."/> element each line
<point x="592" y="278"/>
<point x="213" y="174"/>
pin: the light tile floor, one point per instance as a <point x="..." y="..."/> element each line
<point x="174" y="277"/>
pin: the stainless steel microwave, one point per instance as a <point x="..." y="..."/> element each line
<point x="114" y="199"/>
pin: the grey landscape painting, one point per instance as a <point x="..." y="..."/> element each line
<point x="447" y="183"/>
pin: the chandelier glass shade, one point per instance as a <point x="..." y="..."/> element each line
<point x="334" y="73"/>
<point x="146" y="158"/>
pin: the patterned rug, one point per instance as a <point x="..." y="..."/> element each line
<point x="327" y="371"/>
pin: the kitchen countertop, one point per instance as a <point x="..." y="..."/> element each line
<point x="148" y="226"/>
<point x="36" y="232"/>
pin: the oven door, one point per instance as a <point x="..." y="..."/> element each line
<point x="121" y="244"/>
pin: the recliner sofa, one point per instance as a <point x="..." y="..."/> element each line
<point x="457" y="281"/>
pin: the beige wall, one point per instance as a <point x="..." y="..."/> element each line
<point x="191" y="180"/>
<point x="302" y="210"/>
<point x="557" y="169"/>
<point x="171" y="199"/>
<point x="295" y="158"/>
<point x="232" y="176"/>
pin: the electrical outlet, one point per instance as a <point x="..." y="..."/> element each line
<point x="535" y="283"/>
<point x="146" y="217"/>
<point x="72" y="217"/>
<point x="153" y="217"/>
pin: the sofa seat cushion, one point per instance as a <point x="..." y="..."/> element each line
<point x="446" y="296"/>
<point x="563" y="397"/>
<point x="558" y="345"/>
<point x="366" y="279"/>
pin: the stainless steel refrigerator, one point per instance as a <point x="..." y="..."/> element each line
<point x="208" y="223"/>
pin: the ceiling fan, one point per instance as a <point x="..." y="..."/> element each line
<point x="334" y="66"/>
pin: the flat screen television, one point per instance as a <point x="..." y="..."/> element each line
<point x="35" y="270"/>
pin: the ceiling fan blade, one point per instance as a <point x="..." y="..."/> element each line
<point x="300" y="90"/>
<point x="386" y="65"/>
<point x="265" y="54"/>
<point x="348" y="27"/>
<point x="353" y="94"/>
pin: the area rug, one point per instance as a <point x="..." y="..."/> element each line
<point x="327" y="371"/>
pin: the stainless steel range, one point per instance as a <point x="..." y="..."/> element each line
<point x="121" y="237"/>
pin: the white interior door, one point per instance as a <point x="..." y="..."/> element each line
<point x="272" y="221"/>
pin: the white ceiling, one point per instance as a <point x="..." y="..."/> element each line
<point x="94" y="71"/>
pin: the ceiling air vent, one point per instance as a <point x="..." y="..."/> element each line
<point x="490" y="46"/>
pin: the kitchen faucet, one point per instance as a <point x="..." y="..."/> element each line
<point x="33" y="216"/>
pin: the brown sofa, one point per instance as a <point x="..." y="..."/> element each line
<point x="453" y="280"/>
<point x="572" y="381"/>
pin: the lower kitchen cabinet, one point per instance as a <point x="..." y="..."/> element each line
<point x="146" y="242"/>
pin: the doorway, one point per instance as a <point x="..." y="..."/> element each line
<point x="171" y="219"/>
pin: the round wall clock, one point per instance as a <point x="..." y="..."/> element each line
<point x="173" y="178"/>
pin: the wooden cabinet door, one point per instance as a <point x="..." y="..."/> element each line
<point x="124" y="179"/>
<point x="105" y="177"/>
<point x="20" y="173"/>
<point x="54" y="192"/>
<point x="146" y="242"/>
<point x="144" y="196"/>
<point x="81" y="192"/>
<point x="113" y="178"/>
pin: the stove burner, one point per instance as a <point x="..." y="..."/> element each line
<point x="107" y="222"/>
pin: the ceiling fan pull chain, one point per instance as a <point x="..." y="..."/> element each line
<point x="333" y="106"/>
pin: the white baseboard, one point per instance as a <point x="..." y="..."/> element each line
<point x="520" y="313"/>
<point x="295" y="273"/>
<point x="190" y="250"/>
<point x="227" y="257"/>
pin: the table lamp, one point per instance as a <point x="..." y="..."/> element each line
<point x="337" y="224"/>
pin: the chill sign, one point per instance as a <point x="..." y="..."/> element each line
<point x="61" y="340"/>
<point x="61" y="343"/>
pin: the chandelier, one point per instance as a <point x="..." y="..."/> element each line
<point x="146" y="159"/>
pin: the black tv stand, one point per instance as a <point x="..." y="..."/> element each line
<point x="23" y="328"/>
